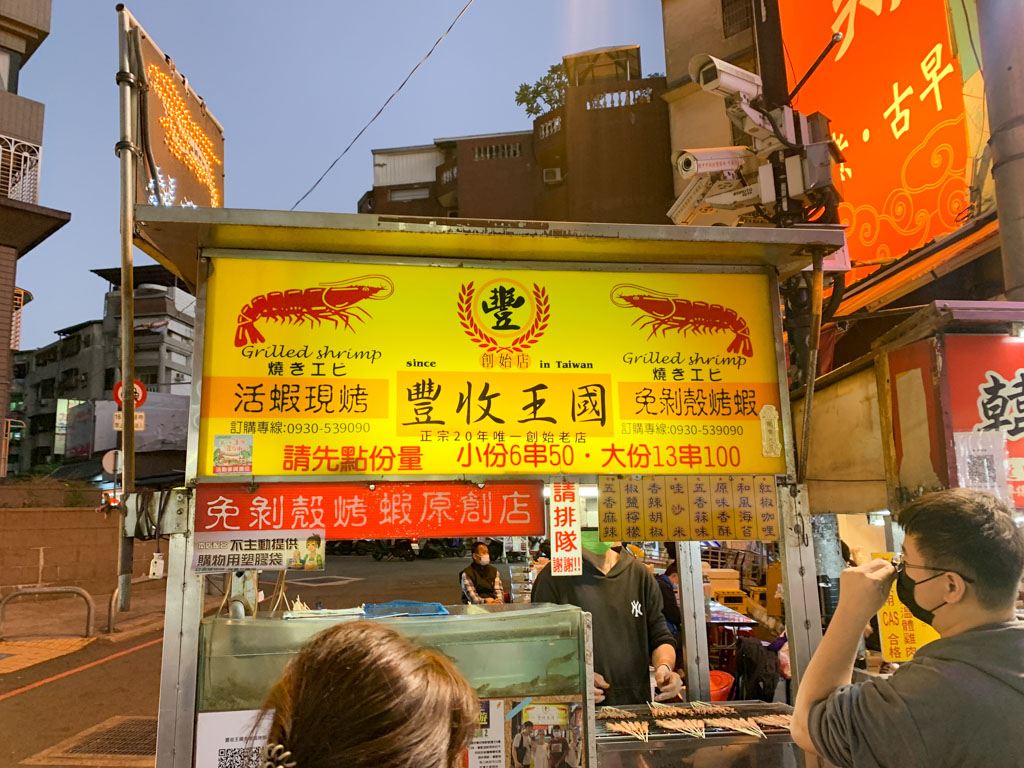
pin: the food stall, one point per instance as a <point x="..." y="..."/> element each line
<point x="361" y="377"/>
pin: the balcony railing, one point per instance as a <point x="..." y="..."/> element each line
<point x="550" y="127"/>
<point x="620" y="97"/>
<point x="19" y="169"/>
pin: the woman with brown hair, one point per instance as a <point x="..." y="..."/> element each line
<point x="360" y="695"/>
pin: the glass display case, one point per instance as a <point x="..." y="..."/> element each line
<point x="505" y="651"/>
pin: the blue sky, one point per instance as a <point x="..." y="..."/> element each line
<point x="291" y="87"/>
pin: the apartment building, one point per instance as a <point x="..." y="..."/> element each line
<point x="602" y="156"/>
<point x="24" y="223"/>
<point x="84" y="363"/>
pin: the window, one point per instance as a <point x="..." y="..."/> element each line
<point x="109" y="377"/>
<point x="737" y="16"/>
<point x="45" y="388"/>
<point x="86" y="341"/>
<point x="405" y="195"/>
<point x="10" y="62"/>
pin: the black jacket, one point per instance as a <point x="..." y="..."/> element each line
<point x="628" y="621"/>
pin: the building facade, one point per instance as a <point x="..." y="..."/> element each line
<point x="602" y="156"/>
<point x="723" y="29"/>
<point x="24" y="223"/>
<point x="84" y="364"/>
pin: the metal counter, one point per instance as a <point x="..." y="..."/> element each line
<point x="721" y="748"/>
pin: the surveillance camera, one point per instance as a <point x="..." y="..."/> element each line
<point x="711" y="160"/>
<point x="720" y="77"/>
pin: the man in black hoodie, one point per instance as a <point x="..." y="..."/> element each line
<point x="629" y="623"/>
<point x="960" y="701"/>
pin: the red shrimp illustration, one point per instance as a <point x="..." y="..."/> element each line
<point x="328" y="301"/>
<point x="667" y="312"/>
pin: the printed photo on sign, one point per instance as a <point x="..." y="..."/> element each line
<point x="546" y="734"/>
<point x="220" y="552"/>
<point x="487" y="749"/>
<point x="232" y="454"/>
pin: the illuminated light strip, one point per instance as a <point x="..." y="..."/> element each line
<point x="183" y="136"/>
<point x="905" y="281"/>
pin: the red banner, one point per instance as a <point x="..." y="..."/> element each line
<point x="388" y="511"/>
<point x="986" y="387"/>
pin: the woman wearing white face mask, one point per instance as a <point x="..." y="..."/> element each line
<point x="481" y="582"/>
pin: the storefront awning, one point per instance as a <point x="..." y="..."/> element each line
<point x="174" y="237"/>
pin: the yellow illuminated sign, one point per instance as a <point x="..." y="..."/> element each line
<point x="349" y="369"/>
<point x="687" y="508"/>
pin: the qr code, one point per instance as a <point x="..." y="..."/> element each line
<point x="238" y="757"/>
<point x="981" y="471"/>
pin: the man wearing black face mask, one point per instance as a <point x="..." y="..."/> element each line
<point x="481" y="582"/>
<point x="959" y="702"/>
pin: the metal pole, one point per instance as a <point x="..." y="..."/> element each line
<point x="799" y="579"/>
<point x="696" y="660"/>
<point x="126" y="150"/>
<point x="771" y="59"/>
<point x="1002" y="55"/>
<point x="817" y="289"/>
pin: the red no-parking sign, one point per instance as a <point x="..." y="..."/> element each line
<point x="140" y="393"/>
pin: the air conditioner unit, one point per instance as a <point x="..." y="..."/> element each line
<point x="552" y="175"/>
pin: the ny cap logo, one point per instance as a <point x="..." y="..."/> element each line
<point x="637" y="611"/>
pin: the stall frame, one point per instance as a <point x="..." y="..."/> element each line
<point x="188" y="242"/>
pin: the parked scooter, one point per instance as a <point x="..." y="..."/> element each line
<point x="404" y="549"/>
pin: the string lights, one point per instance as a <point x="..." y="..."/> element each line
<point x="183" y="136"/>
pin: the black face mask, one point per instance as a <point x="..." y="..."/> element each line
<point x="905" y="591"/>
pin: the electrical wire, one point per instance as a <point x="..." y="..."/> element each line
<point x="384" y="105"/>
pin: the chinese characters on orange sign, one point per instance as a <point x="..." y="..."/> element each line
<point x="894" y="94"/>
<point x="688" y="508"/>
<point x="564" y="527"/>
<point x="901" y="635"/>
<point x="330" y="370"/>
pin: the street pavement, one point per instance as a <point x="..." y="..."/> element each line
<point x="60" y="696"/>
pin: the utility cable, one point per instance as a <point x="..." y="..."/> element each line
<point x="384" y="105"/>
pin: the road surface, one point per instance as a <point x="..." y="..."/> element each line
<point x="51" y="702"/>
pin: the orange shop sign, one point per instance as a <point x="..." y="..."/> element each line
<point x="894" y="94"/>
<point x="385" y="511"/>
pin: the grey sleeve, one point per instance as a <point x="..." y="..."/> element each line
<point x="866" y="724"/>
<point x="657" y="629"/>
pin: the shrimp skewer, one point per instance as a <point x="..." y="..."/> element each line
<point x="775" y="721"/>
<point x="636" y="730"/>
<point x="693" y="728"/>
<point x="738" y="724"/>
<point x="613" y="713"/>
